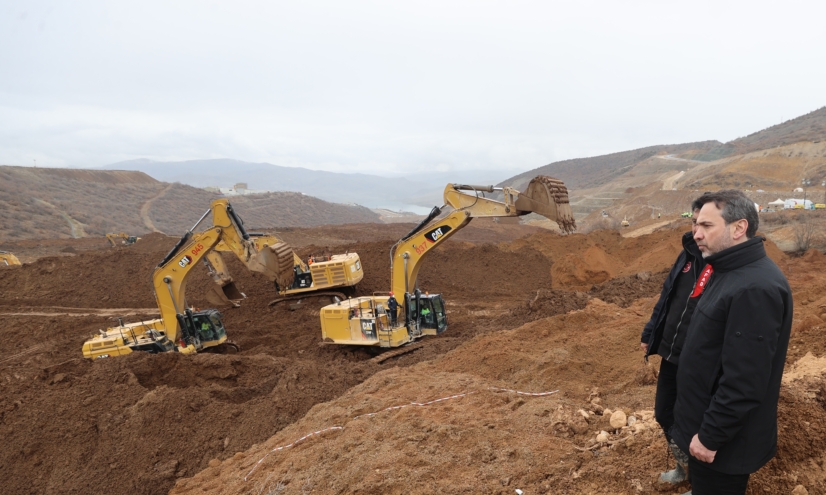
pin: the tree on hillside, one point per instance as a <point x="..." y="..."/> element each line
<point x="804" y="231"/>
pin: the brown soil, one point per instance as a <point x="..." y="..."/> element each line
<point x="540" y="313"/>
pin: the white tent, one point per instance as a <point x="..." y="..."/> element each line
<point x="779" y="203"/>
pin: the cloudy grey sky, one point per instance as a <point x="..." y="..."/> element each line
<point x="389" y="87"/>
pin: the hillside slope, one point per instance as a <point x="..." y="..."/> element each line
<point x="594" y="172"/>
<point x="370" y="190"/>
<point x="60" y="203"/>
<point x="810" y="127"/>
<point x="582" y="173"/>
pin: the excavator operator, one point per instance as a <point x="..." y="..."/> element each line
<point x="427" y="315"/>
<point x="393" y="308"/>
<point x="206" y="328"/>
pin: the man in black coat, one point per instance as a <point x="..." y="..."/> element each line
<point x="664" y="334"/>
<point x="728" y="378"/>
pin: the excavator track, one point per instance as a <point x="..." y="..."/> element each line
<point x="294" y="297"/>
<point x="396" y="352"/>
<point x="228" y="347"/>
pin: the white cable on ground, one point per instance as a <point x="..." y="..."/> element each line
<point x="393" y="408"/>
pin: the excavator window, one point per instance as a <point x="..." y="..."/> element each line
<point x="209" y="326"/>
<point x="439" y="312"/>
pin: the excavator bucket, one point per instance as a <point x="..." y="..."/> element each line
<point x="548" y="197"/>
<point x="228" y="295"/>
<point x="276" y="262"/>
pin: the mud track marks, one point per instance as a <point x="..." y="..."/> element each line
<point x="75" y="227"/>
<point x="146" y="206"/>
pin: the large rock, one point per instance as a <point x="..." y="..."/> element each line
<point x="618" y="419"/>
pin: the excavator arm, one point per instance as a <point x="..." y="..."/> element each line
<point x="369" y="321"/>
<point x="169" y="281"/>
<point x="227" y="231"/>
<point x="545" y="195"/>
<point x="180" y="328"/>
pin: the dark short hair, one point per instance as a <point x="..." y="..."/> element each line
<point x="734" y="205"/>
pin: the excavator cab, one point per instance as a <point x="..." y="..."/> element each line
<point x="425" y="313"/>
<point x="203" y="328"/>
<point x="303" y="279"/>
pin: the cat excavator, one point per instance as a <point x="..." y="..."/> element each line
<point x="180" y="328"/>
<point x="8" y="259"/>
<point x="315" y="278"/>
<point x="124" y="239"/>
<point x="366" y="321"/>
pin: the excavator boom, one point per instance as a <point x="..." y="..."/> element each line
<point x="124" y="239"/>
<point x="365" y="320"/>
<point x="180" y="328"/>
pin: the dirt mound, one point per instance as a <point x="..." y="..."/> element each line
<point x="173" y="414"/>
<point x="582" y="260"/>
<point x="624" y="291"/>
<point x="458" y="424"/>
<point x="137" y="424"/>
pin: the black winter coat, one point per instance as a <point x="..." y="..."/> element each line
<point x="652" y="334"/>
<point x="728" y="378"/>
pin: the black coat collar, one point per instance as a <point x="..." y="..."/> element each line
<point x="738" y="256"/>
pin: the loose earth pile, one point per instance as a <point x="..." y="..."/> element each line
<point x="534" y="314"/>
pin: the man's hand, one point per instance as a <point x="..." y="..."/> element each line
<point x="644" y="346"/>
<point x="700" y="452"/>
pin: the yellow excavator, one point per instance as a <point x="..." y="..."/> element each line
<point x="122" y="238"/>
<point x="180" y="328"/>
<point x="366" y="321"/>
<point x="8" y="259"/>
<point x="320" y="273"/>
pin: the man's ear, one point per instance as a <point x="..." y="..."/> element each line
<point x="740" y="228"/>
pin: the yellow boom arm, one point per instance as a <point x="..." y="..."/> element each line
<point x="170" y="276"/>
<point x="545" y="195"/>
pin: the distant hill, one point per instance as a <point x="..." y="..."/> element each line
<point x="364" y="189"/>
<point x="779" y="168"/>
<point x="40" y="203"/>
<point x="661" y="180"/>
<point x="586" y="173"/>
<point x="412" y="188"/>
<point x="583" y="173"/>
<point x="810" y="127"/>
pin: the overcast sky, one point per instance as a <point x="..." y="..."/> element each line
<point x="389" y="87"/>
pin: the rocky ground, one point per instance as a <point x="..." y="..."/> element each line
<point x="529" y="312"/>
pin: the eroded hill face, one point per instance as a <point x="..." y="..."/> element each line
<point x="810" y="127"/>
<point x="71" y="203"/>
<point x="660" y="181"/>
